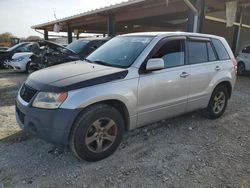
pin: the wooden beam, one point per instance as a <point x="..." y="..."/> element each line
<point x="69" y="35"/>
<point x="216" y="4"/>
<point x="174" y="7"/>
<point x="83" y="21"/>
<point x="46" y="34"/>
<point x="110" y="26"/>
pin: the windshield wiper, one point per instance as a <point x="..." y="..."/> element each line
<point x="102" y="63"/>
<point x="88" y="60"/>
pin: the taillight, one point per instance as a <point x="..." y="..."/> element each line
<point x="234" y="61"/>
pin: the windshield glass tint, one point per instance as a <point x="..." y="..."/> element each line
<point x="78" y="45"/>
<point x="120" y="51"/>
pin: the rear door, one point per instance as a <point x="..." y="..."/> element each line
<point x="204" y="65"/>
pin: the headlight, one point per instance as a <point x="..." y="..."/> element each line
<point x="49" y="100"/>
<point x="18" y="59"/>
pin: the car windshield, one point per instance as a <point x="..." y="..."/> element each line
<point x="120" y="51"/>
<point x="78" y="45"/>
<point x="16" y="46"/>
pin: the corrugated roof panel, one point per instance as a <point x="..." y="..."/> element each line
<point x="103" y="9"/>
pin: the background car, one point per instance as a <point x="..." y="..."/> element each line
<point x="3" y="48"/>
<point x="50" y="54"/>
<point x="6" y="55"/>
<point x="243" y="61"/>
<point x="20" y="61"/>
<point x="54" y="54"/>
<point x="84" y="47"/>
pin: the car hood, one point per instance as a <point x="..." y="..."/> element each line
<point x="3" y="52"/>
<point x="21" y="54"/>
<point x="73" y="75"/>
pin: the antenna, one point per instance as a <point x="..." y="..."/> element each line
<point x="55" y="14"/>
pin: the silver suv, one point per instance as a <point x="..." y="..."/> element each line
<point x="130" y="81"/>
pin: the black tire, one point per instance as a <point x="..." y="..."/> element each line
<point x="29" y="68"/>
<point x="4" y="64"/>
<point x="84" y="125"/>
<point x="241" y="69"/>
<point x="210" y="111"/>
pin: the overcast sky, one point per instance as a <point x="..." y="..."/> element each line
<point x="17" y="16"/>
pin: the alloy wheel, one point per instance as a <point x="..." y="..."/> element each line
<point x="101" y="135"/>
<point x="6" y="63"/>
<point x="219" y="102"/>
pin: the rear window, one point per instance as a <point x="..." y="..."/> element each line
<point x="197" y="52"/>
<point x="220" y="49"/>
<point x="211" y="54"/>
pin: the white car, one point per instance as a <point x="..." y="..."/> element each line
<point x="20" y="61"/>
<point x="244" y="61"/>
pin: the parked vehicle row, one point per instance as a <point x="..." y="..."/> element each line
<point x="32" y="56"/>
<point x="130" y="81"/>
<point x="77" y="50"/>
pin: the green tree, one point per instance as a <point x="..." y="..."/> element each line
<point x="5" y="37"/>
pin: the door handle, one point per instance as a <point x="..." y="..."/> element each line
<point x="184" y="75"/>
<point x="217" y="68"/>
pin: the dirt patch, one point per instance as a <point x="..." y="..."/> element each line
<point x="187" y="151"/>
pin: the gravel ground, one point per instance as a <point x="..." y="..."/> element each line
<point x="187" y="151"/>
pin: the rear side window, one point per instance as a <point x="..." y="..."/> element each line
<point x="220" y="49"/>
<point x="211" y="54"/>
<point x="197" y="52"/>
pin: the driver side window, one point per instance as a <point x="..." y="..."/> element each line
<point x="172" y="52"/>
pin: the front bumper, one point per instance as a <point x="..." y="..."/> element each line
<point x="19" y="66"/>
<point x="50" y="125"/>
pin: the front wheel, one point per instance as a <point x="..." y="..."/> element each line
<point x="5" y="64"/>
<point x="97" y="132"/>
<point x="218" y="102"/>
<point x="29" y="68"/>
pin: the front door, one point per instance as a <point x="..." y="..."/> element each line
<point x="164" y="93"/>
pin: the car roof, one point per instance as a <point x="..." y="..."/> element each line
<point x="94" y="38"/>
<point x="176" y="33"/>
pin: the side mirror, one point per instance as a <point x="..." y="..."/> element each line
<point x="155" y="64"/>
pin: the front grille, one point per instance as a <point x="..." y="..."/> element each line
<point x="20" y="115"/>
<point x="27" y="93"/>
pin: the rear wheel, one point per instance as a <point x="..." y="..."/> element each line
<point x="218" y="102"/>
<point x="241" y="69"/>
<point x="97" y="132"/>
